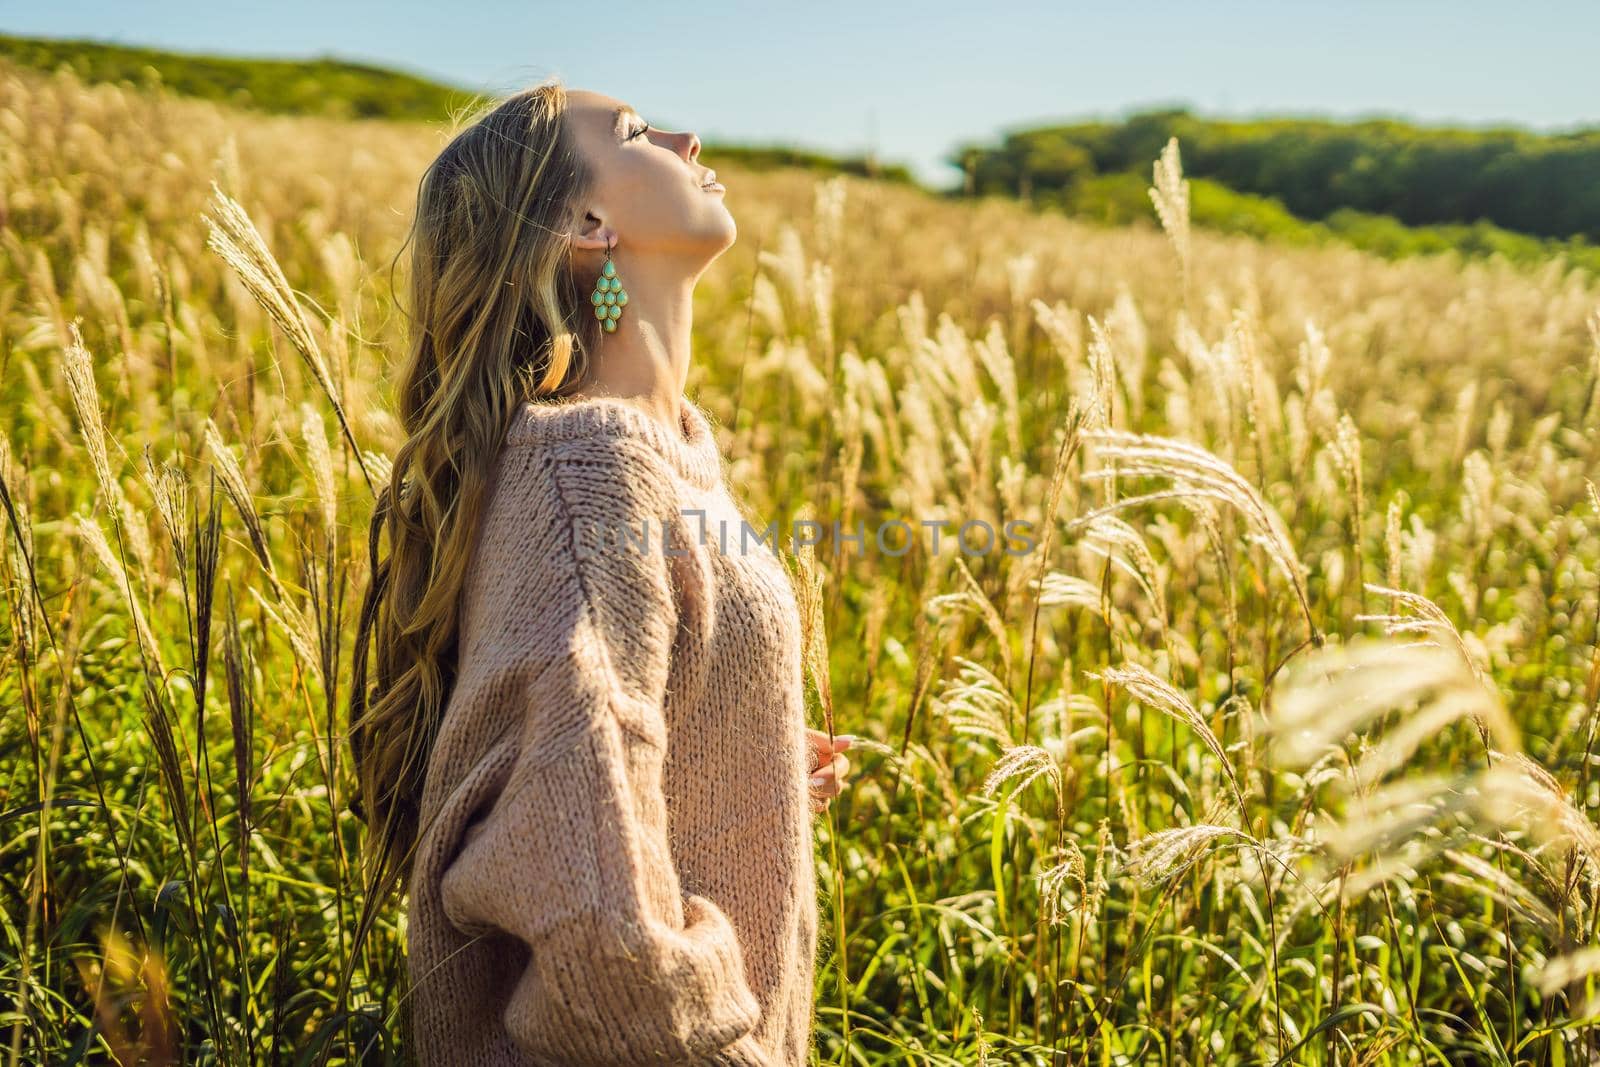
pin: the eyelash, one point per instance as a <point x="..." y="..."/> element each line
<point x="639" y="131"/>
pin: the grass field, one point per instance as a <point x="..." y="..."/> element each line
<point x="1279" y="746"/>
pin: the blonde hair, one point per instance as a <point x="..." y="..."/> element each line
<point x="497" y="318"/>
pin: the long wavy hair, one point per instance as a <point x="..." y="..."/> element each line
<point x="497" y="318"/>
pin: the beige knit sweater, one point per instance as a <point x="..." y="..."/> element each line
<point x="615" y="864"/>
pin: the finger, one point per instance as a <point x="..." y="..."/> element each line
<point x="825" y="785"/>
<point x="822" y="743"/>
<point x="833" y="772"/>
<point x="818" y="743"/>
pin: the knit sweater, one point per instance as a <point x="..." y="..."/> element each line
<point x="615" y="858"/>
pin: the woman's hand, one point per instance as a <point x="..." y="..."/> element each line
<point x="828" y="765"/>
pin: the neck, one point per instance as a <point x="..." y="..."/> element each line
<point x="647" y="359"/>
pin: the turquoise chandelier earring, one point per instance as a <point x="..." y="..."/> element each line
<point x="609" y="297"/>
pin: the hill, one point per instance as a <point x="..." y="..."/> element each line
<point x="1543" y="185"/>
<point x="333" y="88"/>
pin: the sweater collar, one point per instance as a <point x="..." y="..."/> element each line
<point x="691" y="449"/>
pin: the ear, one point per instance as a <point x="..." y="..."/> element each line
<point x="592" y="236"/>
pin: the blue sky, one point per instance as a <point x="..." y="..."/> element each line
<point x="914" y="80"/>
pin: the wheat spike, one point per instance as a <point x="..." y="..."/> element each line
<point x="1170" y="195"/>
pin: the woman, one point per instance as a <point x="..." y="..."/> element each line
<point x="584" y="757"/>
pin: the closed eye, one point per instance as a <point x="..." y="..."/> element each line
<point x="639" y="132"/>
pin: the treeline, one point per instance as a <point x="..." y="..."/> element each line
<point x="1546" y="185"/>
<point x="329" y="87"/>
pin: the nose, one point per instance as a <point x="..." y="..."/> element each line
<point x="693" y="144"/>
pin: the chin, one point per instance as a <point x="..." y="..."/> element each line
<point x="708" y="236"/>
<point x="723" y="233"/>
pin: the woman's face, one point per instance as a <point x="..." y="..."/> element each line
<point x="648" y="182"/>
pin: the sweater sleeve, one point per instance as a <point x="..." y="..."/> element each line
<point x="572" y="857"/>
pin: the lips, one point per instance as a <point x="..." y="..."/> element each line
<point x="710" y="181"/>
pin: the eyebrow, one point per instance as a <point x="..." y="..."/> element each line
<point x="616" y="116"/>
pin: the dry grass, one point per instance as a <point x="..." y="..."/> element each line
<point x="1279" y="747"/>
